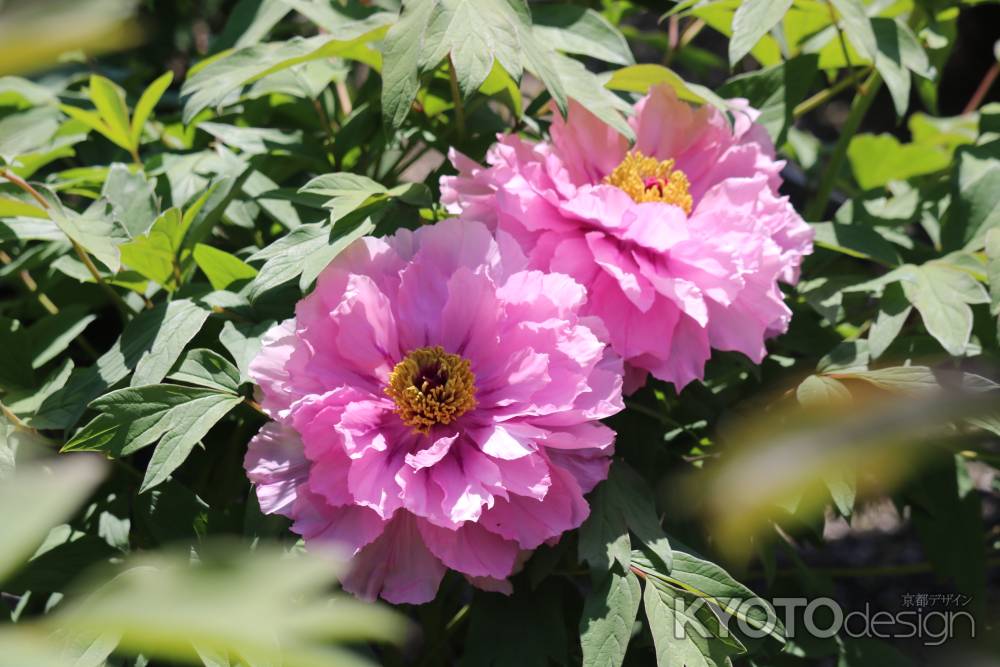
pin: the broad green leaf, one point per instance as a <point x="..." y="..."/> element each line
<point x="155" y="255"/>
<point x="775" y="91"/>
<point x="44" y="496"/>
<point x="639" y="79"/>
<point x="975" y="208"/>
<point x="109" y="100"/>
<point x="856" y="240"/>
<point x="51" y="335"/>
<point x="707" y="580"/>
<point x="219" y="83"/>
<point x="132" y="198"/>
<point x="820" y="391"/>
<point x="898" y="54"/>
<point x="754" y="19"/>
<point x="858" y="27"/>
<point x="589" y="90"/>
<point x="304" y="252"/>
<point x="144" y="107"/>
<point x="206" y="368"/>
<point x="264" y="606"/>
<point x="893" y="311"/>
<point x="253" y="140"/>
<point x="581" y="31"/>
<point x="142" y="335"/>
<point x="10" y="208"/>
<point x="348" y="192"/>
<point x="608" y="615"/>
<point x="621" y="505"/>
<point x="899" y="379"/>
<point x="27" y="131"/>
<point x="134" y="418"/>
<point x="93" y="234"/>
<point x="182" y="320"/>
<point x="877" y="159"/>
<point x="671" y="614"/>
<point x="401" y="52"/>
<point x="221" y="268"/>
<point x="242" y="341"/>
<point x="943" y="295"/>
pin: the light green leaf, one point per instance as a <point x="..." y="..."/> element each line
<point x="639" y="79"/>
<point x="304" y="252"/>
<point x="221" y="268"/>
<point x="27" y="131"/>
<point x="155" y="254"/>
<point x="893" y="311"/>
<point x="877" y="159"/>
<point x="207" y="368"/>
<point x="581" y="31"/>
<point x="702" y="643"/>
<point x="857" y="25"/>
<point x="975" y="207"/>
<point x="856" y="240"/>
<point x="134" y="418"/>
<point x="942" y="295"/>
<point x="182" y="320"/>
<point x="775" y="91"/>
<point x="144" y="107"/>
<point x="51" y="335"/>
<point x="404" y="44"/>
<point x="608" y="615"/>
<point x="10" y="208"/>
<point x="821" y="391"/>
<point x="898" y="54"/>
<point x="95" y="235"/>
<point x="242" y="341"/>
<point x="754" y="19"/>
<point x="589" y="90"/>
<point x="133" y="199"/>
<point x="44" y="496"/>
<point x="109" y="99"/>
<point x="620" y="505"/>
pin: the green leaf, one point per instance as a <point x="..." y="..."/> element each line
<point x="639" y="79"/>
<point x="207" y="368"/>
<point x="820" y="391"/>
<point x="44" y="496"/>
<point x="620" y="505"/>
<point x="94" y="234"/>
<point x="109" y="99"/>
<point x="975" y="208"/>
<point x="858" y="27"/>
<point x="132" y="198"/>
<point x="51" y="335"/>
<point x="775" y="91"/>
<point x="10" y="208"/>
<point x="581" y="31"/>
<point x="608" y="615"/>
<point x="144" y="107"/>
<point x="589" y="90"/>
<point x="877" y="159"/>
<point x="155" y="254"/>
<point x="404" y="44"/>
<point x="242" y="341"/>
<point x="754" y="19"/>
<point x="856" y="240"/>
<point x="893" y="311"/>
<point x="304" y="252"/>
<point x="26" y="132"/>
<point x="134" y="418"/>
<point x="942" y="295"/>
<point x="348" y="192"/>
<point x="182" y="320"/>
<point x="898" y="54"/>
<point x="707" y="580"/>
<point x="685" y="631"/>
<point x="221" y="81"/>
<point x="222" y="269"/>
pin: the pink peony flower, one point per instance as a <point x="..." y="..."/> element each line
<point x="680" y="239"/>
<point x="435" y="406"/>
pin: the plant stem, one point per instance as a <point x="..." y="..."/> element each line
<point x="859" y="107"/>
<point x="116" y="298"/>
<point x="456" y="97"/>
<point x="983" y="88"/>
<point x="80" y="252"/>
<point x="824" y="96"/>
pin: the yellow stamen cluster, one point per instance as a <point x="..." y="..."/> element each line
<point x="431" y="386"/>
<point x="646" y="179"/>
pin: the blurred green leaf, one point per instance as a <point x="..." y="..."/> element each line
<point x="877" y="159"/>
<point x="753" y="19"/>
<point x="581" y="31"/>
<point x="144" y="107"/>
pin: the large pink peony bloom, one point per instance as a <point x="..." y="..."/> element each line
<point x="435" y="406"/>
<point x="680" y="239"/>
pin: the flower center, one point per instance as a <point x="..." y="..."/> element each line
<point x="431" y="386"/>
<point x="645" y="179"/>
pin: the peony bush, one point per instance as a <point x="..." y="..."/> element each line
<point x="496" y="332"/>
